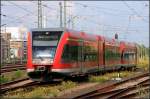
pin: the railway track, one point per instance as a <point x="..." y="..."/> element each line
<point x="17" y="84"/>
<point x="12" y="67"/>
<point x="25" y="83"/>
<point x="127" y="88"/>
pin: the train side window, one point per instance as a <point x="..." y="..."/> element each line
<point x="108" y="54"/>
<point x="90" y="54"/>
<point x="117" y="55"/>
<point x="129" y="56"/>
<point x="111" y="54"/>
<point x="70" y="53"/>
<point x="66" y="55"/>
<point x="74" y="53"/>
<point x="132" y="56"/>
<point x="126" y="56"/>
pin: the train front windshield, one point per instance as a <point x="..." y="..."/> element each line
<point x="43" y="52"/>
<point x="44" y="44"/>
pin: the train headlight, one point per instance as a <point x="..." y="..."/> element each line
<point x="30" y="70"/>
<point x="51" y="61"/>
<point x="36" y="61"/>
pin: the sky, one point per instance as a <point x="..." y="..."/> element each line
<point x="129" y="19"/>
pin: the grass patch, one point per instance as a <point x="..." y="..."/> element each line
<point x="41" y="91"/>
<point x="67" y="85"/>
<point x="11" y="76"/>
<point x="3" y="79"/>
<point x="98" y="79"/>
<point x="109" y="76"/>
<point x="17" y="74"/>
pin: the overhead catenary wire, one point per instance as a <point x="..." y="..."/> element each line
<point x="66" y="12"/>
<point x="113" y="28"/>
<point x="84" y="5"/>
<point x="134" y="12"/>
<point x="110" y="13"/>
<point x="17" y="20"/>
<point x="92" y="8"/>
<point x="51" y="9"/>
<point x="28" y="12"/>
<point x="98" y="8"/>
<point x="20" y="7"/>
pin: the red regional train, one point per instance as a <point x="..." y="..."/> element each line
<point x="58" y="52"/>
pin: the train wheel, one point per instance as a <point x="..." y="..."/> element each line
<point x="122" y="68"/>
<point x="128" y="68"/>
<point x="86" y="77"/>
<point x="133" y="68"/>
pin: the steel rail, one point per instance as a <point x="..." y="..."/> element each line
<point x="16" y="84"/>
<point x="114" y="94"/>
<point x="110" y="91"/>
<point x="10" y="68"/>
<point x="13" y="65"/>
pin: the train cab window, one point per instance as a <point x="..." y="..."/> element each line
<point x="43" y="52"/>
<point x="44" y="44"/>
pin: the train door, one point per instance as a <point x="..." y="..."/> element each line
<point x="80" y="57"/>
